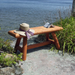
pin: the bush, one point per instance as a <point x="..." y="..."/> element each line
<point x="8" y="61"/>
<point x="5" y="46"/>
<point x="66" y="37"/>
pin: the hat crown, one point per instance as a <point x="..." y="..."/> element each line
<point x="24" y="26"/>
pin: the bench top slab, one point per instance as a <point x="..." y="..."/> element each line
<point x="38" y="30"/>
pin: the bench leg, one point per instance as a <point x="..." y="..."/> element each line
<point x="17" y="43"/>
<point x="55" y="40"/>
<point x="47" y="36"/>
<point x="24" y="48"/>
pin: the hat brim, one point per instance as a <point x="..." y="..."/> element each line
<point x="23" y="33"/>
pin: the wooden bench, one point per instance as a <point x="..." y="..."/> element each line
<point x="38" y="30"/>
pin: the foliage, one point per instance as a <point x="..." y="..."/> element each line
<point x="66" y="37"/>
<point x="5" y="46"/>
<point x="9" y="61"/>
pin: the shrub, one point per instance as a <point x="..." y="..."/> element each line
<point x="66" y="37"/>
<point x="5" y="46"/>
<point x="8" y="61"/>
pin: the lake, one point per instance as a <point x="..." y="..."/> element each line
<point x="33" y="12"/>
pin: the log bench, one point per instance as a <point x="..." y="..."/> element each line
<point x="38" y="30"/>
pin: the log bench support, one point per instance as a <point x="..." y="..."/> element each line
<point x="25" y="47"/>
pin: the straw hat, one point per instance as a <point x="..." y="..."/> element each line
<point x="24" y="30"/>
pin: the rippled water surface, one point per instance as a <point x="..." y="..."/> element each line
<point x="33" y="12"/>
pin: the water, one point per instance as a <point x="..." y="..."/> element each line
<point x="33" y="12"/>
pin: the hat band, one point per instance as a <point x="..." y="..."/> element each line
<point x="26" y="32"/>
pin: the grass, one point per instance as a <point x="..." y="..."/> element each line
<point x="66" y="37"/>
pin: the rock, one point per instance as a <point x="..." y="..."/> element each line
<point x="18" y="52"/>
<point x="10" y="56"/>
<point x="1" y="51"/>
<point x="39" y="39"/>
<point x="7" y="71"/>
<point x="0" y="66"/>
<point x="18" y="69"/>
<point x="14" y="70"/>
